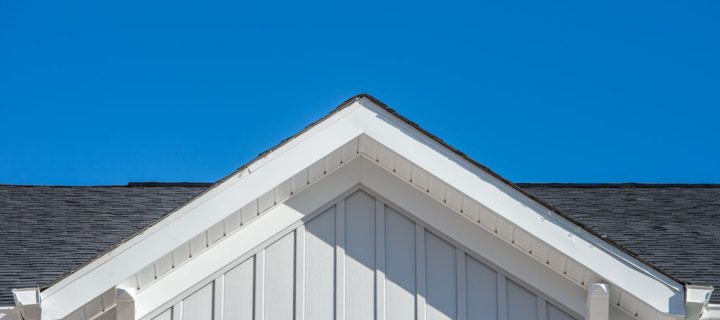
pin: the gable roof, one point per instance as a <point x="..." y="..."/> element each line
<point x="674" y="226"/>
<point x="373" y="120"/>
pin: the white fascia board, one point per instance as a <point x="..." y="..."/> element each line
<point x="229" y="252"/>
<point x="358" y="118"/>
<point x="634" y="277"/>
<point x="233" y="249"/>
<point x="263" y="175"/>
<point x="493" y="251"/>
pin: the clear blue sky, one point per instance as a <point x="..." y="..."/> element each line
<point x="102" y="92"/>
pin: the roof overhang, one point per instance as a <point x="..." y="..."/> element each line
<point x="424" y="161"/>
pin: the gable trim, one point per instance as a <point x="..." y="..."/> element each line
<point x="200" y="214"/>
<point x="362" y="118"/>
<point x="354" y="176"/>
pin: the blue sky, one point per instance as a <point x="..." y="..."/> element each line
<point x="101" y="92"/>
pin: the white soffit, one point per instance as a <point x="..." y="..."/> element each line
<point x="610" y="263"/>
<point x="364" y="120"/>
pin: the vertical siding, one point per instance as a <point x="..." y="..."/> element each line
<point x="238" y="292"/>
<point x="481" y="286"/>
<point x="167" y="315"/>
<point x="399" y="266"/>
<point x="359" y="257"/>
<point x="199" y="305"/>
<point x="279" y="279"/>
<point x="553" y="313"/>
<point x="440" y="278"/>
<point x="320" y="267"/>
<point x="521" y="303"/>
<point x="344" y="260"/>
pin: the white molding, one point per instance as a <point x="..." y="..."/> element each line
<point x="542" y="308"/>
<point x="340" y="260"/>
<point x="402" y="150"/>
<point x="492" y="250"/>
<point x="199" y="215"/>
<point x="420" y="275"/>
<point x="219" y="297"/>
<point x="300" y="236"/>
<point x="177" y="310"/>
<point x="609" y="262"/>
<point x="502" y="297"/>
<point x="460" y="284"/>
<point x="260" y="285"/>
<point x="235" y="247"/>
<point x="380" y="307"/>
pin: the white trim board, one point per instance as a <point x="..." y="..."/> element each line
<point x="380" y="136"/>
<point x="359" y="174"/>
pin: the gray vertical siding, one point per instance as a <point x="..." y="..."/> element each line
<point x="363" y="260"/>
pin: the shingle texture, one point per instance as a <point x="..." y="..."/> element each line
<point x="674" y="227"/>
<point x="48" y="231"/>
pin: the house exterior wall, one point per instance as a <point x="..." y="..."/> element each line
<point x="362" y="259"/>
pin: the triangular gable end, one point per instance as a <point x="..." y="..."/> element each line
<point x="355" y="143"/>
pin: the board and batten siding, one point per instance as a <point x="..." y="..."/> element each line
<point x="361" y="260"/>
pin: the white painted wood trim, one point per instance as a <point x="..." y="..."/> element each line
<point x="640" y="283"/>
<point x="300" y="273"/>
<point x="199" y="215"/>
<point x="502" y="297"/>
<point x="429" y="214"/>
<point x="461" y="289"/>
<point x="218" y="297"/>
<point x="542" y="308"/>
<point x="284" y="216"/>
<point x="640" y="280"/>
<point x="380" y="310"/>
<point x="177" y="311"/>
<point x="260" y="285"/>
<point x="340" y="260"/>
<point x="420" y="274"/>
<point x="494" y="252"/>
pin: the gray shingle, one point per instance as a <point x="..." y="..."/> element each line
<point x="48" y="231"/>
<point x="674" y="227"/>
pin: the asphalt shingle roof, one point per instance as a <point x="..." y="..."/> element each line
<point x="48" y="231"/>
<point x="674" y="227"/>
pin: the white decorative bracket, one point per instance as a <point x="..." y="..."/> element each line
<point x="125" y="303"/>
<point x="27" y="301"/>
<point x="598" y="302"/>
<point x="696" y="301"/>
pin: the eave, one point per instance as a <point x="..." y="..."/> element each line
<point x="376" y="132"/>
